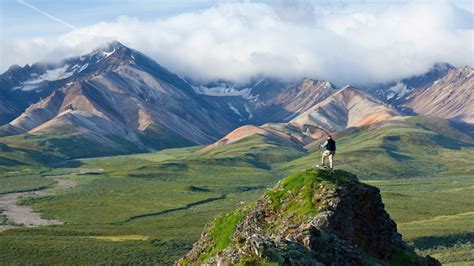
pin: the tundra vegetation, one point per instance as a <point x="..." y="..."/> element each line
<point x="151" y="208"/>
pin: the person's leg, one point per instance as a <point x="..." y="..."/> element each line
<point x="331" y="156"/>
<point x="325" y="154"/>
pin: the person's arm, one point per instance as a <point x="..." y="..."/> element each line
<point x="325" y="144"/>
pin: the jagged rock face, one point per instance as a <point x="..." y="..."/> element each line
<point x="356" y="214"/>
<point x="310" y="218"/>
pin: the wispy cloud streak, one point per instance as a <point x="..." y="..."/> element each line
<point x="22" y="2"/>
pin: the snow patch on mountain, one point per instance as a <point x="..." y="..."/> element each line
<point x="224" y="90"/>
<point x="25" y="87"/>
<point x="398" y="90"/>
<point x="258" y="82"/>
<point x="74" y="67"/>
<point x="107" y="54"/>
<point x="83" y="67"/>
<point x="247" y="109"/>
<point x="234" y="109"/>
<point x="50" y="75"/>
<point x="78" y="68"/>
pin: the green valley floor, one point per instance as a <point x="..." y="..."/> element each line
<point x="150" y="208"/>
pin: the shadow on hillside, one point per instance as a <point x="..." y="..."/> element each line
<point x="466" y="128"/>
<point x="398" y="157"/>
<point x="68" y="164"/>
<point x="450" y="143"/>
<point x="15" y="156"/>
<point x="444" y="241"/>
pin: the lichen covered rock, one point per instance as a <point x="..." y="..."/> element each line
<point x="314" y="217"/>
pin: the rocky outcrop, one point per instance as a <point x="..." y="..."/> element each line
<point x="315" y="217"/>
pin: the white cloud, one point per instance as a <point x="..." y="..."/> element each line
<point x="347" y="44"/>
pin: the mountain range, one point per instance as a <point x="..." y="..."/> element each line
<point x="117" y="100"/>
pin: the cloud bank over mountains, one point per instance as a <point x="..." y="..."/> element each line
<point x="343" y="43"/>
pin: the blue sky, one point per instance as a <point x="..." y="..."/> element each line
<point x="19" y="21"/>
<point x="358" y="41"/>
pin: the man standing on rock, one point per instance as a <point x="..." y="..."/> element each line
<point x="329" y="150"/>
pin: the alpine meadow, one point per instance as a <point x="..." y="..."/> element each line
<point x="237" y="132"/>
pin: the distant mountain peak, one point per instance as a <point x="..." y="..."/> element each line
<point x="449" y="97"/>
<point x="441" y="66"/>
<point x="348" y="87"/>
<point x="352" y="89"/>
<point x="15" y="67"/>
<point x="114" y="49"/>
<point x="117" y="44"/>
<point x="114" y="45"/>
<point x="398" y="92"/>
